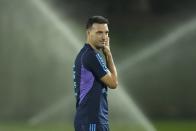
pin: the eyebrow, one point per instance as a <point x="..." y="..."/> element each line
<point x="103" y="31"/>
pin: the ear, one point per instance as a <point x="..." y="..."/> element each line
<point x="88" y="32"/>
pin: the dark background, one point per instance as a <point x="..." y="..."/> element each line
<point x="154" y="38"/>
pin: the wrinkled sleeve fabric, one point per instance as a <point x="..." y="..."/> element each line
<point x="95" y="63"/>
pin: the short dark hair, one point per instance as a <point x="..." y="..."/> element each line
<point x="96" y="19"/>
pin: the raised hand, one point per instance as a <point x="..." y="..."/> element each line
<point x="106" y="48"/>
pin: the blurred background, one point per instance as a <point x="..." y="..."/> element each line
<point x="153" y="45"/>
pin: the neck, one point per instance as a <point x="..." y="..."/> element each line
<point x="97" y="50"/>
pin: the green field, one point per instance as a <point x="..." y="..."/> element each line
<point x="181" y="125"/>
<point x="160" y="126"/>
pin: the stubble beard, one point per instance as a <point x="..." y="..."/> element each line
<point x="100" y="46"/>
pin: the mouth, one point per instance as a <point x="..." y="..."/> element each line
<point x="101" y="45"/>
<point x="103" y="42"/>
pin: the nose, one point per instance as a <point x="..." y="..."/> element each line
<point x="104" y="37"/>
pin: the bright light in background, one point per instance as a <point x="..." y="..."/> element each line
<point x="61" y="26"/>
<point x="120" y="100"/>
<point x="37" y="52"/>
<point x="170" y="39"/>
<point x="130" y="109"/>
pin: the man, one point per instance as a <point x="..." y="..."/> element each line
<point x="92" y="77"/>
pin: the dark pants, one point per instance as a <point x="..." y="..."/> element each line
<point x="92" y="127"/>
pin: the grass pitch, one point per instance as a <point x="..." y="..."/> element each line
<point x="159" y="125"/>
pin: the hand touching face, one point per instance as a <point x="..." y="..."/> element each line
<point x="98" y="35"/>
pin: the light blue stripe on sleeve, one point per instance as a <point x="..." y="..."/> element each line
<point x="100" y="59"/>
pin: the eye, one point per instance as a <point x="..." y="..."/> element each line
<point x="99" y="32"/>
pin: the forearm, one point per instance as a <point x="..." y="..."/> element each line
<point x="111" y="66"/>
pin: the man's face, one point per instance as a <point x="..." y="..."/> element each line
<point x="98" y="35"/>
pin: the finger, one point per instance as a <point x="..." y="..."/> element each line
<point x="108" y="41"/>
